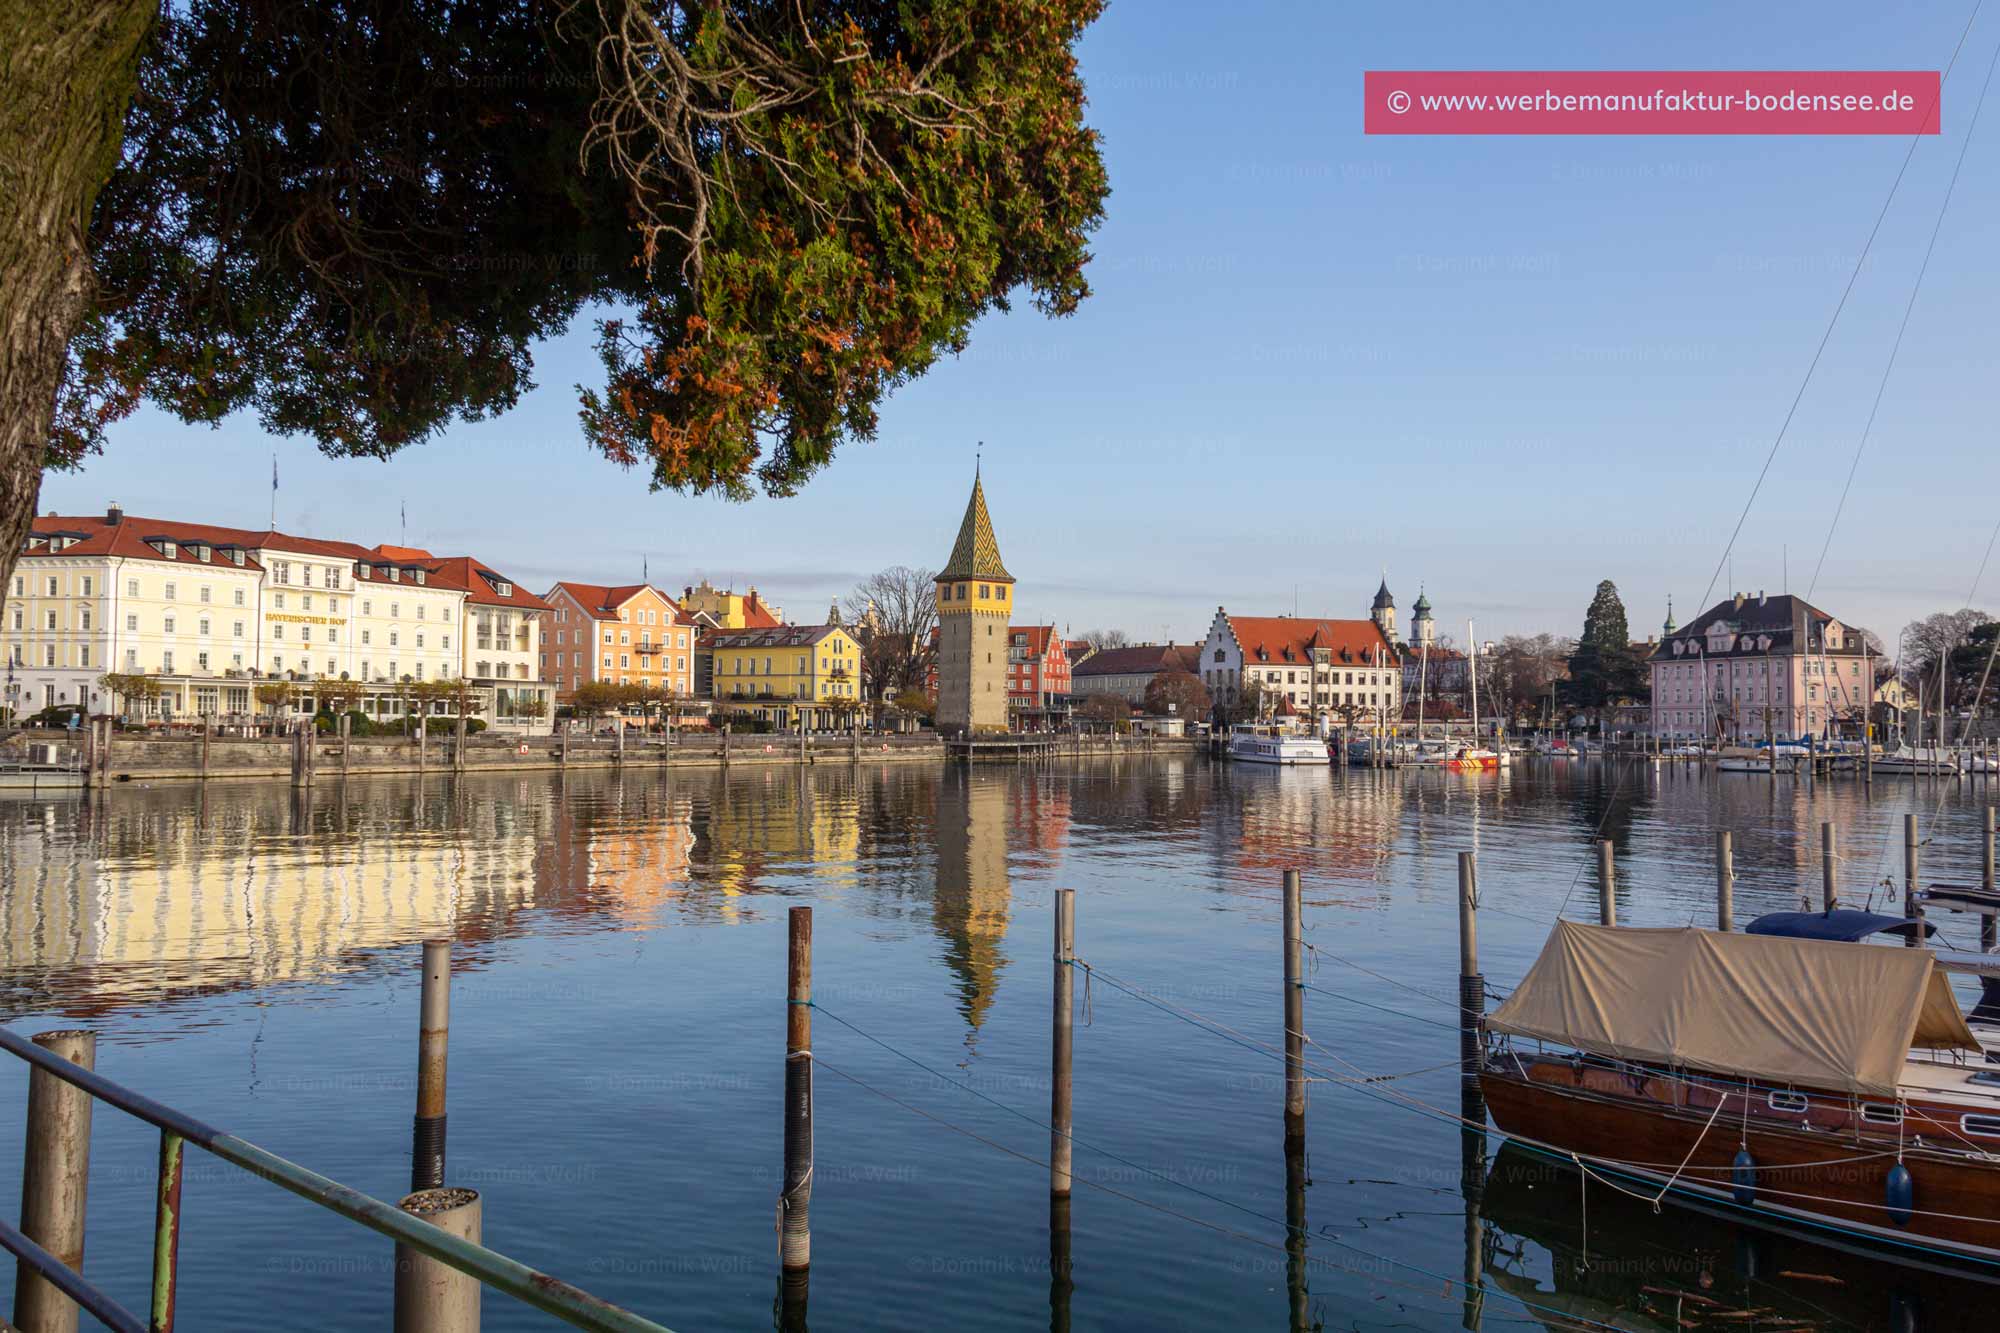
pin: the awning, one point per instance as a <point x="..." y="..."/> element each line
<point x="1812" y="1012"/>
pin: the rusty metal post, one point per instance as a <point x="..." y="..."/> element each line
<point x="432" y="1297"/>
<point x="1725" y="882"/>
<point x="1829" y="874"/>
<point x="1910" y="907"/>
<point x="1061" y="1044"/>
<point x="167" y="1234"/>
<point x="1607" y="884"/>
<point x="1295" y="1017"/>
<point x="1989" y="926"/>
<point x="433" y="1032"/>
<point x="794" y="1205"/>
<point x="55" y="1179"/>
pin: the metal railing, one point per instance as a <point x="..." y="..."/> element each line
<point x="549" y="1294"/>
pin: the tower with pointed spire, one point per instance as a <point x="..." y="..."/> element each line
<point x="1423" y="626"/>
<point x="1383" y="613"/>
<point x="975" y="597"/>
<point x="1667" y="630"/>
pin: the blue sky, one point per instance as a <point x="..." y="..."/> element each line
<point x="1502" y="368"/>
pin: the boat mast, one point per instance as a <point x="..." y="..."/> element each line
<point x="1472" y="657"/>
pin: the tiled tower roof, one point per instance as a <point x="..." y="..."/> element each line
<point x="976" y="555"/>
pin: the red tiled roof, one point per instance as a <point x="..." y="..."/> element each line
<point x="478" y="579"/>
<point x="1139" y="658"/>
<point x="1039" y="637"/>
<point x="1265" y="639"/>
<point x="95" y="536"/>
<point x="755" y="614"/>
<point x="603" y="602"/>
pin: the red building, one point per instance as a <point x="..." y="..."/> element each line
<point x="1038" y="676"/>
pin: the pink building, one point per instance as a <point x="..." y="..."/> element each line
<point x="1755" y="663"/>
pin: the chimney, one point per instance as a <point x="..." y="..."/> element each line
<point x="114" y="513"/>
<point x="1739" y="602"/>
<point x="1761" y="598"/>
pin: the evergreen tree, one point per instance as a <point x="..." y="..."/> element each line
<point x="1604" y="669"/>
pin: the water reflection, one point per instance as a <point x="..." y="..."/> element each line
<point x="1611" y="1261"/>
<point x="148" y="910"/>
<point x="972" y="904"/>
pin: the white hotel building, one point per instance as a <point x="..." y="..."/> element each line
<point x="212" y="612"/>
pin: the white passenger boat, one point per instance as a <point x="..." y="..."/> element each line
<point x="1268" y="743"/>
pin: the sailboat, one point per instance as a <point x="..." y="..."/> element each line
<point x="1472" y="758"/>
<point x="1802" y="1078"/>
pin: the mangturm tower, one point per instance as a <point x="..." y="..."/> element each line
<point x="975" y="597"/>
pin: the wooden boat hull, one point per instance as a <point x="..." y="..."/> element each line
<point x="1807" y="1173"/>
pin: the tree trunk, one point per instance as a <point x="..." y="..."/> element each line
<point x="70" y="70"/>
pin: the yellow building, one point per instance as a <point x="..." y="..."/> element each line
<point x="726" y="608"/>
<point x="789" y="674"/>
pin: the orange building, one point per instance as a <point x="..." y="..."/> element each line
<point x="629" y="635"/>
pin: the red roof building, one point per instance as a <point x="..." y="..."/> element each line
<point x="1327" y="669"/>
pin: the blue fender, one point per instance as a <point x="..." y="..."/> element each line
<point x="1743" y="1175"/>
<point x="1900" y="1194"/>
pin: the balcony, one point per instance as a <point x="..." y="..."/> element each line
<point x="647" y="649"/>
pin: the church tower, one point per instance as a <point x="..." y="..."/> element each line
<point x="975" y="598"/>
<point x="1383" y="613"/>
<point x="1423" y="627"/>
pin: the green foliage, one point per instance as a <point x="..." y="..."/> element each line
<point x="1604" y="668"/>
<point x="355" y="217"/>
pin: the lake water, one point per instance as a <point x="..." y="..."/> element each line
<point x="618" y="1019"/>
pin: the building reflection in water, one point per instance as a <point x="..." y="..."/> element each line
<point x="971" y="908"/>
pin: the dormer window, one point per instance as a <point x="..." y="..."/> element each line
<point x="236" y="555"/>
<point x="504" y="589"/>
<point x="170" y="550"/>
<point x="417" y="574"/>
<point x="361" y="571"/>
<point x="201" y="553"/>
<point x="395" y="574"/>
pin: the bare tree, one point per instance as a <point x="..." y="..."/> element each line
<point x="1100" y="639"/>
<point x="1521" y="669"/>
<point x="892" y="614"/>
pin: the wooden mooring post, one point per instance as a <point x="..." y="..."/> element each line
<point x="1989" y="925"/>
<point x="1060" y="1045"/>
<point x="1607" y="884"/>
<point x="423" y="742"/>
<point x="794" y="1205"/>
<point x="458" y="745"/>
<point x="1910" y="906"/>
<point x="1725" y="882"/>
<point x="1829" y="872"/>
<point x="433" y="1297"/>
<point x="1471" y="983"/>
<point x="346" y="743"/>
<point x="55" y="1179"/>
<point x="1295" y="1016"/>
<point x="207" y="735"/>
<point x="427" y="1132"/>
